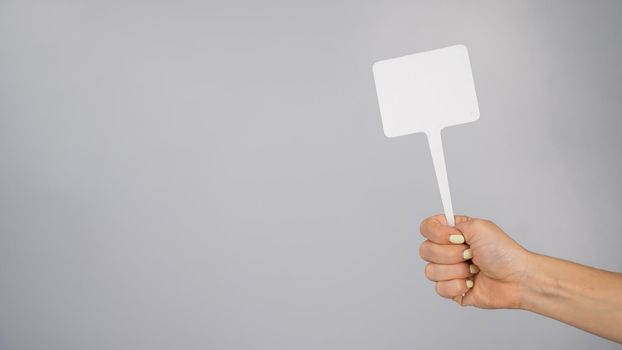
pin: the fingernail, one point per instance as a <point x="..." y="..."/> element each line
<point x="456" y="239"/>
<point x="473" y="268"/>
<point x="469" y="283"/>
<point x="467" y="254"/>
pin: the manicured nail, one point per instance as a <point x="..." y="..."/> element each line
<point x="473" y="268"/>
<point x="467" y="254"/>
<point x="469" y="283"/>
<point x="456" y="239"/>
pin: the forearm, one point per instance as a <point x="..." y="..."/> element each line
<point x="581" y="296"/>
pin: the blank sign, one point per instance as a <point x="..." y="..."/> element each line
<point x="426" y="91"/>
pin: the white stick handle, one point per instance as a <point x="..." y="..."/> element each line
<point x="438" y="157"/>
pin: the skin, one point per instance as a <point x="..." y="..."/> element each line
<point x="509" y="276"/>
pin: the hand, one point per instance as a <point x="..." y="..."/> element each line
<point x="474" y="263"/>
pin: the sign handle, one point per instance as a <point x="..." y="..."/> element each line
<point x="438" y="158"/>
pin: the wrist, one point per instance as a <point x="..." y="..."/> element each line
<point x="536" y="285"/>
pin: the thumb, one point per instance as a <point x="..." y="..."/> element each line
<point x="472" y="228"/>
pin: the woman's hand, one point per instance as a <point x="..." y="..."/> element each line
<point x="477" y="264"/>
<point x="474" y="263"/>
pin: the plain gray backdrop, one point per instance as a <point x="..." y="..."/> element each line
<point x="214" y="175"/>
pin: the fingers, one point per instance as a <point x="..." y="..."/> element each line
<point x="436" y="230"/>
<point x="437" y="272"/>
<point x="448" y="256"/>
<point x="443" y="221"/>
<point x="453" y="288"/>
<point x="444" y="254"/>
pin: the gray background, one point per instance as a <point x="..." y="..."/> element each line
<point x="213" y="175"/>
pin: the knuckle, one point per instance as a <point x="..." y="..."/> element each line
<point x="427" y="226"/>
<point x="486" y="222"/>
<point x="477" y="225"/>
<point x="422" y="225"/>
<point x="482" y="223"/>
<point x="423" y="251"/>
<point x="429" y="271"/>
<point x="444" y="289"/>
<point x="476" y="222"/>
<point x="439" y="289"/>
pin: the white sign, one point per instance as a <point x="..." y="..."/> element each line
<point x="426" y="92"/>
